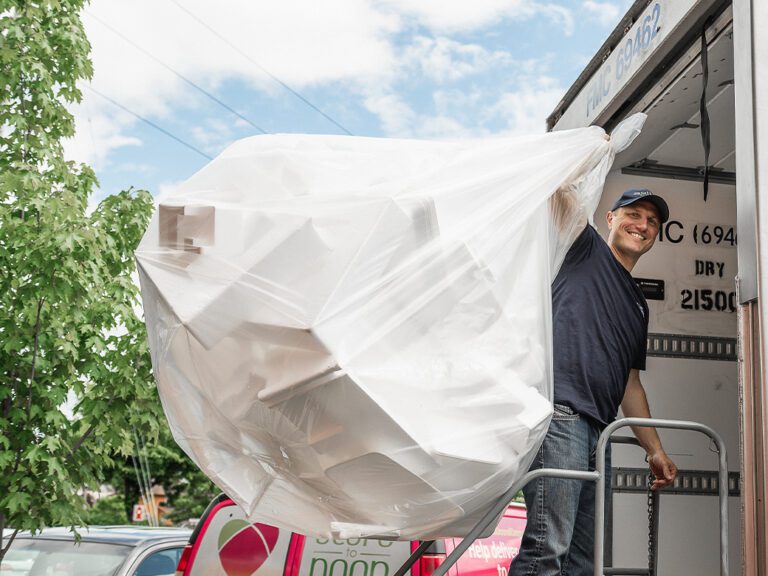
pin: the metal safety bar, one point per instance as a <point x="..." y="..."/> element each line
<point x="598" y="476"/>
<point x="501" y="505"/>
<point x="722" y="484"/>
<point x="418" y="553"/>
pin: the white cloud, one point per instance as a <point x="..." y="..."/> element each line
<point x="442" y="59"/>
<point x="427" y="126"/>
<point x="558" y="14"/>
<point x="460" y="113"/>
<point x="166" y="189"/>
<point x="460" y="15"/>
<point x="302" y="43"/>
<point x="452" y="102"/>
<point x="213" y="135"/>
<point x="444" y="127"/>
<point x="524" y="111"/>
<point x="399" y="120"/>
<point x="396" y="116"/>
<point x="606" y="13"/>
<point x="372" y="49"/>
<point x="134" y="167"/>
<point x="100" y="130"/>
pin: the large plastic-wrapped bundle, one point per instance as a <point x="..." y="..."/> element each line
<point x="351" y="336"/>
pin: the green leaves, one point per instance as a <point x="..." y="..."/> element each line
<point x="18" y="502"/>
<point x="76" y="375"/>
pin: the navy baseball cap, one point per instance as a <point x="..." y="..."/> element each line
<point x="634" y="194"/>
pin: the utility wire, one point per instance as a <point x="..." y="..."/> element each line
<point x="144" y="467"/>
<point x="144" y="463"/>
<point x="178" y="74"/>
<point x="260" y="67"/>
<point x="155" y="512"/>
<point x="142" y="491"/>
<point x="155" y="126"/>
<point x="140" y="475"/>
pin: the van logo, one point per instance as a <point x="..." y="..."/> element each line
<point x="244" y="547"/>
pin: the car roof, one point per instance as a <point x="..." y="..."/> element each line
<point x="125" y="535"/>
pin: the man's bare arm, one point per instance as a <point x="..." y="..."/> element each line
<point x="635" y="405"/>
<point x="565" y="208"/>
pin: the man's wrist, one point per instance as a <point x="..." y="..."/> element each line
<point x="655" y="450"/>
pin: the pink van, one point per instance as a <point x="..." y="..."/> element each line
<point x="226" y="544"/>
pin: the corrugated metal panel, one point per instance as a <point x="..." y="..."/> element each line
<point x="693" y="347"/>
<point x="687" y="482"/>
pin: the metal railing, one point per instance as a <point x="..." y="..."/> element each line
<point x="722" y="484"/>
<point x="598" y="476"/>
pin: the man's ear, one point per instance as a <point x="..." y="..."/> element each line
<point x="609" y="218"/>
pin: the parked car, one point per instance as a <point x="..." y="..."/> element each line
<point x="225" y="543"/>
<point x="101" y="551"/>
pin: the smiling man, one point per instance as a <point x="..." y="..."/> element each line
<point x="600" y="323"/>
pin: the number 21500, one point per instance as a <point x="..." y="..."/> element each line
<point x="707" y="299"/>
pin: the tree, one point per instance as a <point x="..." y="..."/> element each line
<point x="107" y="511"/>
<point x="68" y="322"/>
<point x="187" y="489"/>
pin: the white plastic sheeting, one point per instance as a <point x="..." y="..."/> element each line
<point x="351" y="336"/>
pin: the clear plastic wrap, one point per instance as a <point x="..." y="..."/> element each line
<point x="351" y="336"/>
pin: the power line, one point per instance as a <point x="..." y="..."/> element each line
<point x="178" y="74"/>
<point x="149" y="501"/>
<point x="260" y="67"/>
<point x="155" y="126"/>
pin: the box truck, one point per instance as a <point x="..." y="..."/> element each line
<point x="699" y="70"/>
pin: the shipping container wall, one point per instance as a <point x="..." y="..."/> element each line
<point x="695" y="257"/>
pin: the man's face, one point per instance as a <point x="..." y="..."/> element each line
<point x="633" y="229"/>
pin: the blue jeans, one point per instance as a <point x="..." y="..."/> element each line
<point x="559" y="534"/>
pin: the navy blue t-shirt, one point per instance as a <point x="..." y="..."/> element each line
<point x="600" y="321"/>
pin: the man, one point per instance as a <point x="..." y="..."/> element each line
<point x="600" y="322"/>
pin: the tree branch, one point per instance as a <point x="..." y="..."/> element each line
<point x="40" y="302"/>
<point x="7" y="404"/>
<point x="8" y="400"/>
<point x="81" y="441"/>
<point x="88" y="433"/>
<point x="17" y="462"/>
<point x="11" y="538"/>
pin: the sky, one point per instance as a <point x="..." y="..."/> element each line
<point x="176" y="81"/>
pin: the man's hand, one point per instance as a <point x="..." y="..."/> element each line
<point x="635" y="404"/>
<point x="663" y="468"/>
